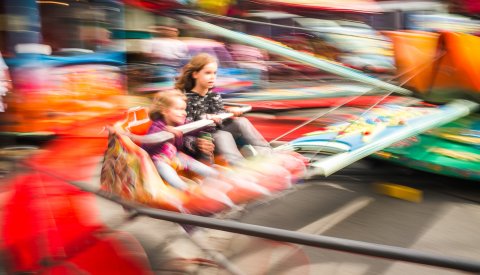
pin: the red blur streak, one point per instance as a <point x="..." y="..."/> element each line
<point x="73" y="159"/>
<point x="273" y="128"/>
<point x="471" y="6"/>
<point x="361" y="101"/>
<point x="48" y="222"/>
<point x="156" y="6"/>
<point x="74" y="156"/>
<point x="325" y="5"/>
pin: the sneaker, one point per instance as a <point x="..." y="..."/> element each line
<point x="248" y="151"/>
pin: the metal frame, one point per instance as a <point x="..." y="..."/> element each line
<point x="282" y="235"/>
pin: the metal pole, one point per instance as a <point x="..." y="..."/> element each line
<point x="295" y="55"/>
<point x="282" y="235"/>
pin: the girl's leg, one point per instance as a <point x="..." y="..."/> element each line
<point x="213" y="188"/>
<point x="226" y="146"/>
<point x="170" y="175"/>
<point x="196" y="166"/>
<point x="240" y="127"/>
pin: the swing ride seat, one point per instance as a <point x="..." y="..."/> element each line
<point x="129" y="172"/>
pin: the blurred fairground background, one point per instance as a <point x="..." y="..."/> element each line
<point x="371" y="108"/>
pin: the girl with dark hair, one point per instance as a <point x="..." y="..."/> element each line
<point x="197" y="80"/>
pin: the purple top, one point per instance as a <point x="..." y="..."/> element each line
<point x="167" y="149"/>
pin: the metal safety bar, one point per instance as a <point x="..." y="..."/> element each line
<point x="326" y="242"/>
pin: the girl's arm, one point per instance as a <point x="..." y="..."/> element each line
<point x="193" y="145"/>
<point x="218" y="107"/>
<point x="198" y="147"/>
<point x="236" y="111"/>
<point x="178" y="136"/>
<point x="145" y="141"/>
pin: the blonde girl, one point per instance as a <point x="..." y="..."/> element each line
<point x="168" y="111"/>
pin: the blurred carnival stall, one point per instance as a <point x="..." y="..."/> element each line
<point x="70" y="82"/>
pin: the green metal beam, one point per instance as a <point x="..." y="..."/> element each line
<point x="295" y="55"/>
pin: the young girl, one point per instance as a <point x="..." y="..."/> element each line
<point x="168" y="111"/>
<point x="197" y="80"/>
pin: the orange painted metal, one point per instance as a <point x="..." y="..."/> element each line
<point x="431" y="62"/>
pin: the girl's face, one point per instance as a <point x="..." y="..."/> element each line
<point x="205" y="78"/>
<point x="175" y="114"/>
